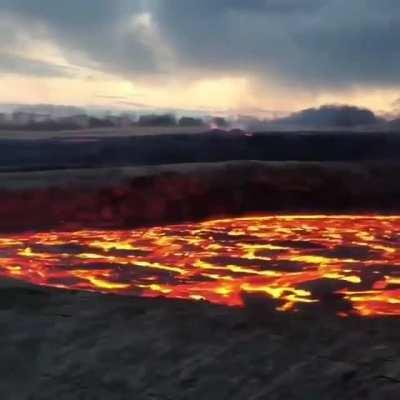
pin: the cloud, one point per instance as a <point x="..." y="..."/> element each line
<point x="101" y="34"/>
<point x="14" y="64"/>
<point x="134" y="104"/>
<point x="316" y="44"/>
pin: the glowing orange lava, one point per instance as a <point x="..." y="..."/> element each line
<point x="348" y="263"/>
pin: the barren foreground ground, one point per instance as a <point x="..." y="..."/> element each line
<point x="63" y="345"/>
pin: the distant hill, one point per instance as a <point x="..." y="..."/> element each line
<point x="331" y="116"/>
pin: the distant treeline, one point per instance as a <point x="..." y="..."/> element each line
<point x="331" y="116"/>
<point x="34" y="122"/>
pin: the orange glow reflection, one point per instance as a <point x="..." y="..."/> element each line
<point x="350" y="263"/>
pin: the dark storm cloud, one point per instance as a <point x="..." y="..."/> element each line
<point x="316" y="43"/>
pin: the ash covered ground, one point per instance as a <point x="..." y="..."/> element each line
<point x="63" y="345"/>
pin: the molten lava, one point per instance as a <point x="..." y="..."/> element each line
<point x="348" y="263"/>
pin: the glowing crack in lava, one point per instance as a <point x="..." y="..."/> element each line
<point x="350" y="263"/>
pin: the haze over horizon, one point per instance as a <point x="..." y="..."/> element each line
<point x="257" y="57"/>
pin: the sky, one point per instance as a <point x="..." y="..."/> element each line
<point x="259" y="57"/>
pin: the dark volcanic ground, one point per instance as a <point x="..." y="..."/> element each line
<point x="125" y="198"/>
<point x="67" y="346"/>
<point x="62" y="151"/>
<point x="62" y="345"/>
<point x="128" y="181"/>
